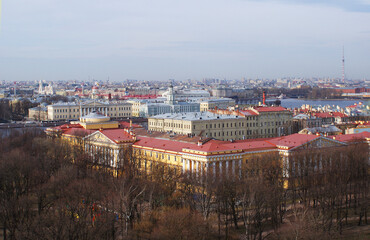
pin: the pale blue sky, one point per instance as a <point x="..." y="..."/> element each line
<point x="163" y="39"/>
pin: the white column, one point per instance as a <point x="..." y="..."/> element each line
<point x="233" y="167"/>
<point x="202" y="165"/>
<point x="240" y="168"/>
<point x="214" y="169"/>
<point x="115" y="158"/>
<point x="220" y="165"/>
<point x="285" y="167"/>
<point x="188" y="168"/>
<point x="197" y="168"/>
<point x="227" y="170"/>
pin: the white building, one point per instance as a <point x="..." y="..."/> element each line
<point x="186" y="94"/>
<point x="47" y="90"/>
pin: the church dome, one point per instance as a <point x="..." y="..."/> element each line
<point x="94" y="117"/>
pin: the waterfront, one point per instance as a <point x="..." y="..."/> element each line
<point x="296" y="103"/>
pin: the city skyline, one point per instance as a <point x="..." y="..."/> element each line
<point x="189" y="40"/>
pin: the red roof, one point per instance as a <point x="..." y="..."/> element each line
<point x="67" y="126"/>
<point x="165" y="144"/>
<point x="213" y="146"/>
<point x="339" y="114"/>
<point x="78" y="132"/>
<point x="248" y="112"/>
<point x="290" y="141"/>
<point x="294" y="140"/>
<point x="73" y="129"/>
<point x="270" y="109"/>
<point x="117" y="135"/>
<point x="351" y="137"/>
<point x="127" y="125"/>
<point x="323" y="115"/>
<point x="330" y="114"/>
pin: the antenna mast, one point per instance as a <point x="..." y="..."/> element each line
<point x="343" y="73"/>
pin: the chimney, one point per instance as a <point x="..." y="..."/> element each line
<point x="264" y="98"/>
<point x="130" y="123"/>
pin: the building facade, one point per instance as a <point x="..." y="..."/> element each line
<point x="218" y="103"/>
<point x="107" y="146"/>
<point x="73" y="110"/>
<point x="39" y="113"/>
<point x="260" y="122"/>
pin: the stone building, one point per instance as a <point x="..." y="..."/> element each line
<point x="106" y="142"/>
<point x="74" y="110"/>
<point x="260" y="122"/>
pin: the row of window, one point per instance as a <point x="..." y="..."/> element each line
<point x="90" y="109"/>
<point x="77" y="115"/>
<point x="157" y="155"/>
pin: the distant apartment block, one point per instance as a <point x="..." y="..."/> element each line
<point x="218" y="103"/>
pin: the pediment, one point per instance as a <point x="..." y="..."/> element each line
<point x="91" y="104"/>
<point x="321" y="142"/>
<point x="98" y="137"/>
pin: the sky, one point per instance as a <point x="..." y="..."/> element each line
<point x="178" y="39"/>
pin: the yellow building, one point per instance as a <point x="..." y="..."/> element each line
<point x="135" y="106"/>
<point x="73" y="110"/>
<point x="218" y="103"/>
<point x="38" y="113"/>
<point x="262" y="122"/>
<point x="198" y="156"/>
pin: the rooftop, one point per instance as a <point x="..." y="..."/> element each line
<point x="193" y="116"/>
<point x="270" y="109"/>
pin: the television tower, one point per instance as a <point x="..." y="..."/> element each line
<point x="343" y="73"/>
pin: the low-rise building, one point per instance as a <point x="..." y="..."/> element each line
<point x="39" y="113"/>
<point x="302" y="121"/>
<point x="216" y="103"/>
<point x="324" y="130"/>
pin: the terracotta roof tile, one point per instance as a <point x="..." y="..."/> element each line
<point x="165" y="144"/>
<point x="351" y="137"/>
<point x="117" y="135"/>
<point x="271" y="109"/>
